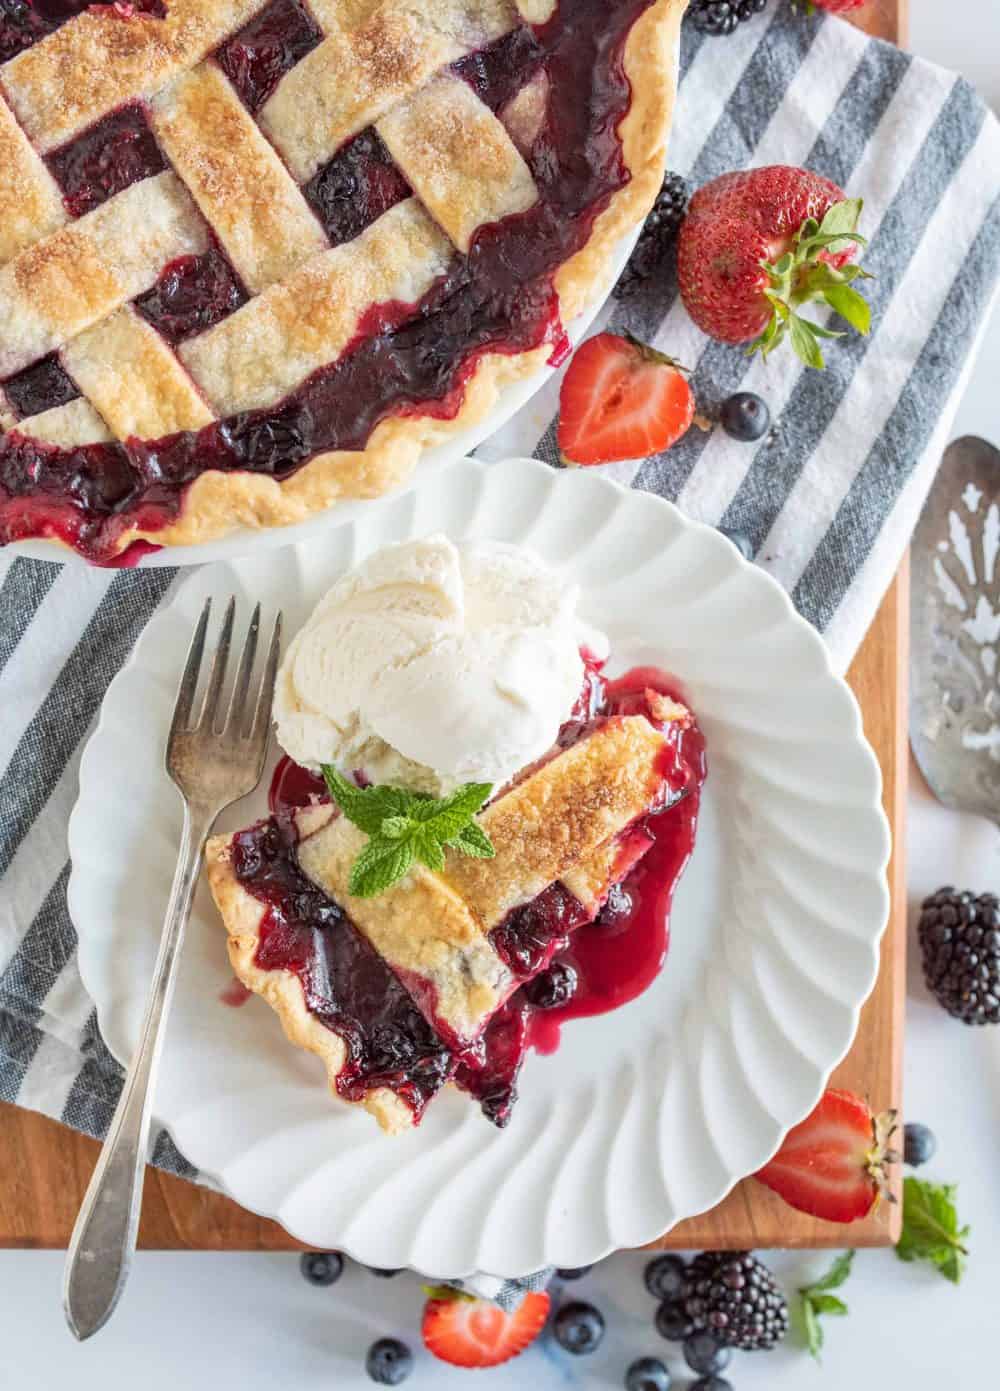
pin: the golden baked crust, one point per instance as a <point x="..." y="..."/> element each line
<point x="270" y="234"/>
<point x="242" y="915"/>
<point x="563" y="822"/>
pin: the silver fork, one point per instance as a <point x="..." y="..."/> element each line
<point x="212" y="763"/>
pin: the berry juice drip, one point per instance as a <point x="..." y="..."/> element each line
<point x="406" y="359"/>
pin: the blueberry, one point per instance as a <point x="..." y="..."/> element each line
<point x="919" y="1144"/>
<point x="385" y="1274"/>
<point x="389" y="1362"/>
<point x="711" y="1384"/>
<point x="745" y="416"/>
<point x="647" y="1374"/>
<point x="322" y="1267"/>
<point x="705" y="1354"/>
<point x="579" y="1328"/>
<point x="672" y="1322"/>
<point x="664" y="1277"/>
<point x="553" y="987"/>
<point x="575" y="1272"/>
<point x="740" y="540"/>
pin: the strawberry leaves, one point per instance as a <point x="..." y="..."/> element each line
<point x="815" y="1302"/>
<point x="930" y="1228"/>
<point x="801" y="277"/>
<point x="404" y="828"/>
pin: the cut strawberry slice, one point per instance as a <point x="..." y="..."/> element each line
<point x="621" y="400"/>
<point x="472" y="1332"/>
<point x="833" y="1164"/>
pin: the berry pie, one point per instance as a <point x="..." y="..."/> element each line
<point x="256" y="255"/>
<point x="444" y="976"/>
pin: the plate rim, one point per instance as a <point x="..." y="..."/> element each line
<point x="806" y="632"/>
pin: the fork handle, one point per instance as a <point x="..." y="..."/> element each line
<point x="100" y="1251"/>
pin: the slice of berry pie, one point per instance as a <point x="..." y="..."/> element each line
<point x="431" y="981"/>
<point x="256" y="255"/>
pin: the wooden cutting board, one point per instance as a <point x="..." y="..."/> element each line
<point x="46" y="1167"/>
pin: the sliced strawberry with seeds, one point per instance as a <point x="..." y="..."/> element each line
<point x="833" y="1164"/>
<point x="471" y="1332"/>
<point x="621" y="400"/>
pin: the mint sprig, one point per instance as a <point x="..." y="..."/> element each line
<point x="815" y="1300"/>
<point x="800" y="277"/>
<point x="930" y="1228"/>
<point x="404" y="827"/>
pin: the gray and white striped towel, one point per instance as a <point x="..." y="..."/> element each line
<point x="829" y="502"/>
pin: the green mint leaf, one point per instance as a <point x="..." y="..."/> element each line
<point x="427" y="848"/>
<point x="930" y="1228"/>
<point x="804" y="341"/>
<point x="842" y="217"/>
<point x="396" y="827"/>
<point x="828" y="1304"/>
<point x="367" y="807"/>
<point x="850" y="306"/>
<point x="813" y="1329"/>
<point x="449" y="814"/>
<point x="380" y="864"/>
<point x="815" y="1300"/>
<point x="473" y="840"/>
<point x="834" y="1277"/>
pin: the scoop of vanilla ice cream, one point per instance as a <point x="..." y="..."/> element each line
<point x="431" y="665"/>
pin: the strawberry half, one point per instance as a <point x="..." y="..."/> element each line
<point x="757" y="246"/>
<point x="472" y="1332"/>
<point x="833" y="1164"/>
<point x="621" y="400"/>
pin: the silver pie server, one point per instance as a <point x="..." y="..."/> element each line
<point x="213" y="761"/>
<point x="955" y="631"/>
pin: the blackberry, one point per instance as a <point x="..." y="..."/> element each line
<point x="657" y="236"/>
<point x="959" y="938"/>
<point x="722" y="16"/>
<point x="734" y="1296"/>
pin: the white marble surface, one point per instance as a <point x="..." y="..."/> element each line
<point x="249" y="1322"/>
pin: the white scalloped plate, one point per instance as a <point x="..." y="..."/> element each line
<point x="644" y="1116"/>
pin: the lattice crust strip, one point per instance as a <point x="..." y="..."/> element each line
<point x="258" y="354"/>
<point x="241" y="186"/>
<point x="355" y="76"/>
<point x="84" y="272"/>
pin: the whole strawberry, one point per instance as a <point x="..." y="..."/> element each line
<point x="756" y="246"/>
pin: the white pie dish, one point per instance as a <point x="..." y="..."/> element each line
<point x="644" y="1116"/>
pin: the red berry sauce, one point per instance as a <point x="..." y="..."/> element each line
<point x="412" y="359"/>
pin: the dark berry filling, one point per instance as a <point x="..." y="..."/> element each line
<point x="40" y="387"/>
<point x="257" y="57"/>
<point x="346" y="984"/>
<point x="406" y="359"/>
<point x="107" y="157"/>
<point x="499" y="72"/>
<point x="529" y="937"/>
<point x="24" y="22"/>
<point x="192" y="294"/>
<point x="358" y="185"/>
